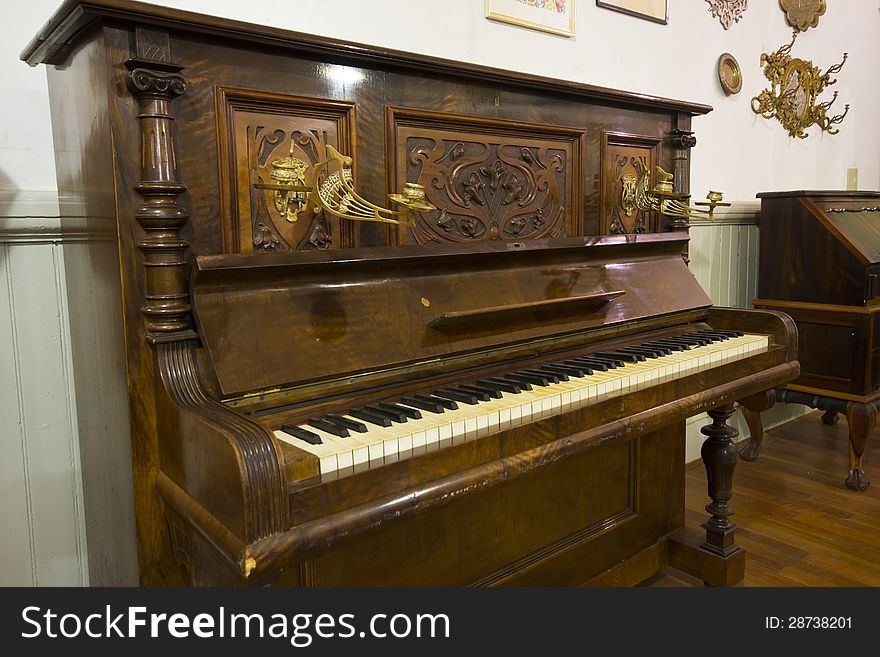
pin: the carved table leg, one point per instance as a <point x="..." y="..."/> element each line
<point x="830" y="417"/>
<point x="751" y="408"/>
<point x="862" y="418"/>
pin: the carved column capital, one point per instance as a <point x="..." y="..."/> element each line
<point x="683" y="139"/>
<point x="161" y="84"/>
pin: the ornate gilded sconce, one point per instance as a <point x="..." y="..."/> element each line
<point x="330" y="187"/>
<point x="638" y="193"/>
<point x="795" y="86"/>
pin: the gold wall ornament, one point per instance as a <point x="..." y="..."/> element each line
<point x="638" y="193"/>
<point x="795" y="86"/>
<point x="728" y="11"/>
<point x="332" y="189"/>
<point x="803" y="14"/>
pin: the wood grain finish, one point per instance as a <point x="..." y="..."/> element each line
<point x="798" y="525"/>
<point x="489" y="179"/>
<point x="286" y="336"/>
<point x="254" y="129"/>
<point x="626" y="154"/>
<point x="328" y="307"/>
<point x="820" y="263"/>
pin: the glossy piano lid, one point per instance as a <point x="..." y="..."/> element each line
<point x="357" y="316"/>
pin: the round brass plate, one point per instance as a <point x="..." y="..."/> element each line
<point x="730" y="74"/>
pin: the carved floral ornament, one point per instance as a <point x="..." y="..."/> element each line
<point x="728" y="11"/>
<point x="803" y="14"/>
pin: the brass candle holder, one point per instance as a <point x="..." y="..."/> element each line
<point x="639" y="194"/>
<point x="332" y="189"/>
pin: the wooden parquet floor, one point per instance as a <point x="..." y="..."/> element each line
<point x="797" y="522"/>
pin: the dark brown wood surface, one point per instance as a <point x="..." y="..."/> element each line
<point x="798" y="525"/>
<point x="819" y="256"/>
<point x="191" y="109"/>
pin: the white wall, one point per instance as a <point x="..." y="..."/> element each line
<point x="41" y="501"/>
<point x="737" y="151"/>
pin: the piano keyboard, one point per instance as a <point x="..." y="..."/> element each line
<point x="375" y="434"/>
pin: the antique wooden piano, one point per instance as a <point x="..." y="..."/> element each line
<point x="489" y="397"/>
<point x="820" y="263"/>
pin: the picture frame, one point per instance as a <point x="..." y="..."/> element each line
<point x="553" y="16"/>
<point x="652" y="10"/>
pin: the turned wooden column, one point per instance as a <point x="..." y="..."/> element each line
<point x="720" y="456"/>
<point x="682" y="140"/>
<point x="166" y="306"/>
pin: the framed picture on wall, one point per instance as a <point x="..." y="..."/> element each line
<point x="555" y="16"/>
<point x="653" y="10"/>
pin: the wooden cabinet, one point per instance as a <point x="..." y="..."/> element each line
<point x="820" y="263"/>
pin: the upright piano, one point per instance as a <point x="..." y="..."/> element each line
<point x="494" y="395"/>
<point x="820" y="263"/>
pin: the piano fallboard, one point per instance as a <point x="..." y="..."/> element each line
<point x="288" y="327"/>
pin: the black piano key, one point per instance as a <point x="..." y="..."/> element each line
<point x="429" y="405"/>
<point x="302" y="434"/>
<point x="393" y="415"/>
<point x="656" y="349"/>
<point x="572" y="370"/>
<point x="668" y="348"/>
<point x="632" y="356"/>
<point x="448" y="404"/>
<point x="493" y="393"/>
<point x="329" y="427"/>
<point x="724" y="335"/>
<point x="522" y="385"/>
<point x="348" y="423"/>
<point x="535" y="379"/>
<point x="677" y="342"/>
<point x="552" y="378"/>
<point x="647" y="352"/>
<point x="464" y="397"/>
<point x="701" y="340"/>
<point x="618" y="358"/>
<point x="562" y="376"/>
<point x="479" y="394"/>
<point x="691" y="342"/>
<point x="502" y="385"/>
<point x="592" y="363"/>
<point x="409" y="413"/>
<point x="713" y="337"/>
<point x="560" y="369"/>
<point x="372" y="418"/>
<point x="584" y="369"/>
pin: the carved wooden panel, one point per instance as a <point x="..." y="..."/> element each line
<point x="623" y="155"/>
<point x="254" y="129"/>
<point x="490" y="179"/>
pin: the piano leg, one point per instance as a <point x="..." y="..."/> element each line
<point x="861" y="418"/>
<point x="717" y="560"/>
<point x="751" y="408"/>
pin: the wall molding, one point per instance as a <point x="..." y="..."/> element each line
<point x="740" y="213"/>
<point x="34" y="217"/>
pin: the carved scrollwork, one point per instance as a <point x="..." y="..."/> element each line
<point x="144" y="82"/>
<point x="727" y="11"/>
<point x="274" y="229"/>
<point x="489" y="191"/>
<point x="627" y="164"/>
<point x="683" y="139"/>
